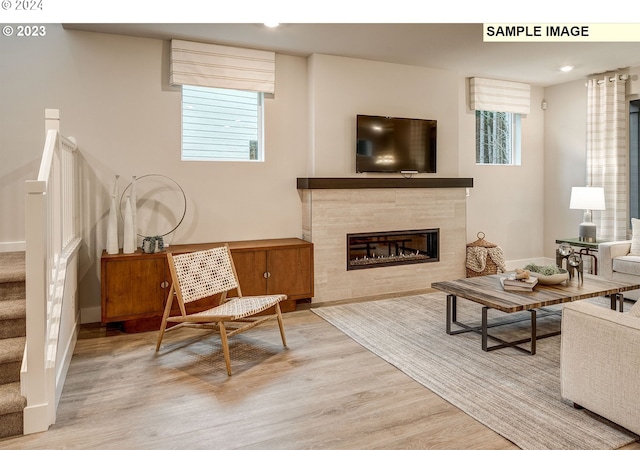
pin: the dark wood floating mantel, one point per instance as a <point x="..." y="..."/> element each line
<point x="373" y="183"/>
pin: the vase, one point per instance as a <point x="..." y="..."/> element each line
<point x="134" y="210"/>
<point x="112" y="228"/>
<point x="114" y="190"/>
<point x="129" y="243"/>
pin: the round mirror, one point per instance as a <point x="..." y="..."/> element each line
<point x="160" y="204"/>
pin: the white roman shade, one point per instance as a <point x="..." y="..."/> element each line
<point x="219" y="66"/>
<point x="497" y="95"/>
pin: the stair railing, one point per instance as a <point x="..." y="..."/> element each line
<point x="52" y="238"/>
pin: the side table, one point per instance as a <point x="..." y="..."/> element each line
<point x="586" y="249"/>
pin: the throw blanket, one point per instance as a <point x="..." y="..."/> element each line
<point x="477" y="258"/>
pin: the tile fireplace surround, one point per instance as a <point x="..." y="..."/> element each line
<point x="335" y="207"/>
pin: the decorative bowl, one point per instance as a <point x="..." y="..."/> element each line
<point x="556" y="278"/>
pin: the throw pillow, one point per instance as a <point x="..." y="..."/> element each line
<point x="635" y="237"/>
<point x="635" y="309"/>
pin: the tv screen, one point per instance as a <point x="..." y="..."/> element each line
<point x="393" y="144"/>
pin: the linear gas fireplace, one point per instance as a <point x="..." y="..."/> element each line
<point x="391" y="248"/>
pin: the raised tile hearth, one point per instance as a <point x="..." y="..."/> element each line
<point x="329" y="215"/>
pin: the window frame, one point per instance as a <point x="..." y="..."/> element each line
<point x="213" y="154"/>
<point x="515" y="147"/>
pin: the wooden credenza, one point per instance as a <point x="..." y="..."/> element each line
<point x="135" y="286"/>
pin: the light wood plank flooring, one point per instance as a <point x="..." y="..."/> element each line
<point x="324" y="391"/>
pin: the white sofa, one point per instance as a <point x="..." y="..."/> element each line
<point x="599" y="362"/>
<point x="616" y="263"/>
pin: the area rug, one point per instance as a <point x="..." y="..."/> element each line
<point x="515" y="394"/>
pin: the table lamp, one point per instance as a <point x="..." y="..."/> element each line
<point x="587" y="198"/>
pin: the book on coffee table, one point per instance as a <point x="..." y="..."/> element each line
<point x="526" y="284"/>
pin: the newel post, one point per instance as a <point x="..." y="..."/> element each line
<point x="51" y="120"/>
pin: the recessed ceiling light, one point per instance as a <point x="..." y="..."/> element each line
<point x="566" y="68"/>
<point x="271" y="24"/>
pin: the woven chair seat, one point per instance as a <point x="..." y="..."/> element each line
<point x="240" y="307"/>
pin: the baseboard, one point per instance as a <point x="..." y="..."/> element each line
<point x="36" y="418"/>
<point x="20" y="246"/>
<point x="90" y="315"/>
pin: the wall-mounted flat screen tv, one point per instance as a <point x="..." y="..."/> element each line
<point x="393" y="144"/>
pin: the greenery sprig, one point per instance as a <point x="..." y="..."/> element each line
<point x="544" y="270"/>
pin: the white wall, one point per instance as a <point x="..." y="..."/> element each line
<point x="565" y="163"/>
<point x="340" y="88"/>
<point x="114" y="98"/>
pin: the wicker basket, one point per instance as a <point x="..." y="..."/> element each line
<point x="490" y="267"/>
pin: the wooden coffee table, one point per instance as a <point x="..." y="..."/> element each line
<point x="488" y="291"/>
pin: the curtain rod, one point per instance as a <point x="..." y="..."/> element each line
<point x="622" y="77"/>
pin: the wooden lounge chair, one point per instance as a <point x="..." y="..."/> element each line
<point x="205" y="273"/>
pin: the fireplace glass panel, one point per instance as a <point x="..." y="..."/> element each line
<point x="391" y="248"/>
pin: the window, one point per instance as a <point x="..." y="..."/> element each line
<point x="497" y="138"/>
<point x="221" y="124"/>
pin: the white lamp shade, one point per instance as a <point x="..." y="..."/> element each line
<point x="587" y="198"/>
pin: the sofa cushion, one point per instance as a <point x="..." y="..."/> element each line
<point x="635" y="237"/>
<point x="599" y="345"/>
<point x="627" y="264"/>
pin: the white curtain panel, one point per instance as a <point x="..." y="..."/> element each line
<point x="607" y="154"/>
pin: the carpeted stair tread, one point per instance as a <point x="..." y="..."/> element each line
<point x="11" y="425"/>
<point x="15" y="290"/>
<point x="10" y="399"/>
<point x="12" y="349"/>
<point x="12" y="267"/>
<point x="13" y="328"/>
<point x="13" y="309"/>
<point x="12" y="405"/>
<point x="11" y="353"/>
